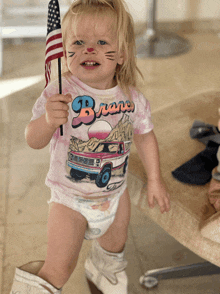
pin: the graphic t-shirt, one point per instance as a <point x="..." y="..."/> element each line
<point x="91" y="157"/>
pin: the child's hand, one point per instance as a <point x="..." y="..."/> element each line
<point x="57" y="110"/>
<point x="157" y="190"/>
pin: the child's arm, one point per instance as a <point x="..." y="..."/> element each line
<point x="148" y="151"/>
<point x="39" y="132"/>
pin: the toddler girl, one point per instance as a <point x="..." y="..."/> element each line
<point x="102" y="112"/>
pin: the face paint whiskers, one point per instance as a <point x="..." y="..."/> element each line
<point x="110" y="55"/>
<point x="71" y="54"/>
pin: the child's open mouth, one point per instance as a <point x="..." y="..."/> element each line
<point x="90" y="64"/>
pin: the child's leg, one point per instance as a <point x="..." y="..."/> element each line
<point x="105" y="266"/>
<point x="66" y="230"/>
<point x="114" y="239"/>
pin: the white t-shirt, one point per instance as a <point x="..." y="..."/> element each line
<point x="91" y="157"/>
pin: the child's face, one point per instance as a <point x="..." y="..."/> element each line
<point x="92" y="54"/>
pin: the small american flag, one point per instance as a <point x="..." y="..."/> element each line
<point x="54" y="45"/>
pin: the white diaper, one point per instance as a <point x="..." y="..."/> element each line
<point x="99" y="213"/>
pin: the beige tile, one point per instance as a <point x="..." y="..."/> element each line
<point x="19" y="104"/>
<point x="4" y="143"/>
<point x="28" y="167"/>
<point x="134" y="269"/>
<point x="20" y="152"/>
<point x="24" y="243"/>
<point x="25" y="239"/>
<point x="134" y="188"/>
<point x="27" y="192"/>
<point x="3" y="189"/>
<point x="2" y="235"/>
<point x="30" y="206"/>
<point x="24" y="155"/>
<point x="170" y="80"/>
<point x="23" y="178"/>
<point x="4" y="172"/>
<point x="163" y="84"/>
<point x="17" y="64"/>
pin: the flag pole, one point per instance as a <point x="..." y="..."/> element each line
<point x="60" y="88"/>
<point x="54" y="44"/>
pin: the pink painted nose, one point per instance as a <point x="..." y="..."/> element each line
<point x="90" y="49"/>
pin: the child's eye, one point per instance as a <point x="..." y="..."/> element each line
<point x="78" y="42"/>
<point x="101" y="42"/>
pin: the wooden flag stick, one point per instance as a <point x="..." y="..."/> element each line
<point x="60" y="88"/>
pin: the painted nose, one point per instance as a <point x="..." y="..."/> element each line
<point x="90" y="49"/>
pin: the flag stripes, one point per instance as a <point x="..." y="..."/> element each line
<point x="54" y="44"/>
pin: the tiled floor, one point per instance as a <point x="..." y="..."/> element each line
<point x="23" y="207"/>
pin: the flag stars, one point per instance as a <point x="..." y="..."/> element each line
<point x="53" y="16"/>
<point x="54" y="27"/>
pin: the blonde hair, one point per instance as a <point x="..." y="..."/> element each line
<point x="126" y="74"/>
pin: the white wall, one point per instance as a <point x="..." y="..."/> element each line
<point x="167" y="10"/>
<point x="176" y="10"/>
